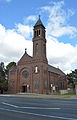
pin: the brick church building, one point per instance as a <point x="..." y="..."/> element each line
<point x="34" y="74"/>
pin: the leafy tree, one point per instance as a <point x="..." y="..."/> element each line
<point x="3" y="82"/>
<point x="2" y="72"/>
<point x="4" y="75"/>
<point x="72" y="78"/>
<point x="9" y="66"/>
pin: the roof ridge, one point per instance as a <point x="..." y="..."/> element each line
<point x="39" y="22"/>
<point x="55" y="70"/>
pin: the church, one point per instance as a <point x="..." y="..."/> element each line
<point x="33" y="74"/>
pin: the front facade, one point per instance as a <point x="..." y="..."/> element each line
<point x="34" y="74"/>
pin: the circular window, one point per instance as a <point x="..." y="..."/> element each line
<point x="25" y="73"/>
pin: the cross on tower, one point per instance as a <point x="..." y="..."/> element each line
<point x="39" y="16"/>
<point x="25" y="50"/>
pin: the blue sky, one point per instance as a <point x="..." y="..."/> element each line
<point x="17" y="18"/>
<point x="14" y="11"/>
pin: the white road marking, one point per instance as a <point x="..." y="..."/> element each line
<point x="9" y="104"/>
<point x="41" y="108"/>
<point x="41" y="115"/>
<point x="30" y="107"/>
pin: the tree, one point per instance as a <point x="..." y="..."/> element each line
<point x="3" y="82"/>
<point x="2" y="72"/>
<point x="9" y="66"/>
<point x="4" y="75"/>
<point x="72" y="78"/>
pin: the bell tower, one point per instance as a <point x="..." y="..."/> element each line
<point x="39" y="41"/>
<point x="40" y="63"/>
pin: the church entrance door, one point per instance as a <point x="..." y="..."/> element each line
<point x="24" y="88"/>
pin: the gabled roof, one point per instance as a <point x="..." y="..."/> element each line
<point x="39" y="23"/>
<point x="55" y="70"/>
<point x="25" y="58"/>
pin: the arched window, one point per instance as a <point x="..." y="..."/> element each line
<point x="36" y="69"/>
<point x="36" y="84"/>
<point x="39" y="32"/>
<point x="36" y="48"/>
<point x="45" y="84"/>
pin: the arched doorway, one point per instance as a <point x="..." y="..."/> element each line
<point x="24" y="88"/>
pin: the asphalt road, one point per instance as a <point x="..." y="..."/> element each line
<point x="23" y="108"/>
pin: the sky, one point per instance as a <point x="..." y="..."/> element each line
<point x="17" y="18"/>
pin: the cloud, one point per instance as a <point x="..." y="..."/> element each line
<point x="31" y="18"/>
<point x="12" y="45"/>
<point x="58" y="24"/>
<point x="14" y="41"/>
<point x="61" y="55"/>
<point x="7" y="1"/>
<point x="58" y="20"/>
<point x="24" y="30"/>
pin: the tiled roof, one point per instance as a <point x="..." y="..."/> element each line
<point x="55" y="70"/>
<point x="39" y="23"/>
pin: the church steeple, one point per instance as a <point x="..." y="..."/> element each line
<point x="39" y="29"/>
<point x="39" y="23"/>
<point x="39" y="41"/>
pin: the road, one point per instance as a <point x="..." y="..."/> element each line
<point x="24" y="108"/>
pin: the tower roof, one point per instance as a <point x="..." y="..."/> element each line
<point x="39" y="23"/>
